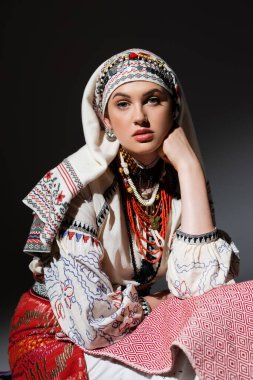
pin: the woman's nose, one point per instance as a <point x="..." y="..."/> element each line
<point x="140" y="117"/>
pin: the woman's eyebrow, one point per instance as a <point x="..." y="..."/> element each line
<point x="152" y="91"/>
<point x="121" y="94"/>
<point x="145" y="94"/>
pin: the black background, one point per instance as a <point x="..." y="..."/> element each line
<point x="49" y="49"/>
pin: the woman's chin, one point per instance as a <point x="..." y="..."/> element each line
<point x="144" y="157"/>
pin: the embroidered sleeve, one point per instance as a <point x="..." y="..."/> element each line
<point x="34" y="245"/>
<point x="199" y="263"/>
<point x="90" y="311"/>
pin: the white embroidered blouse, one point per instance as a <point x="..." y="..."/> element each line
<point x="90" y="287"/>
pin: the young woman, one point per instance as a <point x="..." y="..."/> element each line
<point x="130" y="207"/>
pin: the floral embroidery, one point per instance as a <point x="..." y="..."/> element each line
<point x="68" y="291"/>
<point x="76" y="285"/>
<point x="204" y="266"/>
<point x="60" y="197"/>
<point x="59" y="310"/>
<point x="182" y="289"/>
<point x="48" y="176"/>
<point x="128" y="322"/>
<point x="117" y="299"/>
<point x="67" y="294"/>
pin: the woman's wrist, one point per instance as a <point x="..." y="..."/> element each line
<point x="190" y="166"/>
<point x="196" y="215"/>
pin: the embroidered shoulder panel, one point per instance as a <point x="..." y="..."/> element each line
<point x="50" y="198"/>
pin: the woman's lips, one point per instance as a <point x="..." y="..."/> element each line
<point x="143" y="135"/>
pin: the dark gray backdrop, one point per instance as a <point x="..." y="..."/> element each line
<point x="48" y="52"/>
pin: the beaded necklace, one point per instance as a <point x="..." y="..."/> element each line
<point x="130" y="186"/>
<point x="146" y="218"/>
<point x="149" y="229"/>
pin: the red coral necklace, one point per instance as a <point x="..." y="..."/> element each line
<point x="147" y="220"/>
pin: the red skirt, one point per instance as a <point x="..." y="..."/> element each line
<point x="34" y="351"/>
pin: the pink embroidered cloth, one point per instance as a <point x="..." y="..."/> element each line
<point x="214" y="330"/>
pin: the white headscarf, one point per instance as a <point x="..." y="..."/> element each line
<point x="50" y="198"/>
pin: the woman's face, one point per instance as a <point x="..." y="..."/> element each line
<point x="140" y="113"/>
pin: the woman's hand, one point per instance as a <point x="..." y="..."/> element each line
<point x="196" y="216"/>
<point x="177" y="150"/>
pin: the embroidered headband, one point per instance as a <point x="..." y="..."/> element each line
<point x="134" y="65"/>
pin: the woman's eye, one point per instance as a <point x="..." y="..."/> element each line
<point x="122" y="104"/>
<point x="153" y="100"/>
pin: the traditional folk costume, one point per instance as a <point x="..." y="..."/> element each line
<point x="105" y="230"/>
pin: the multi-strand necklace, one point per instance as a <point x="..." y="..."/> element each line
<point x="146" y="205"/>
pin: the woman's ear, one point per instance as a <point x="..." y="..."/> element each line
<point x="106" y="122"/>
<point x="106" y="119"/>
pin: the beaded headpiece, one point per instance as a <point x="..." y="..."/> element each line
<point x="134" y="65"/>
